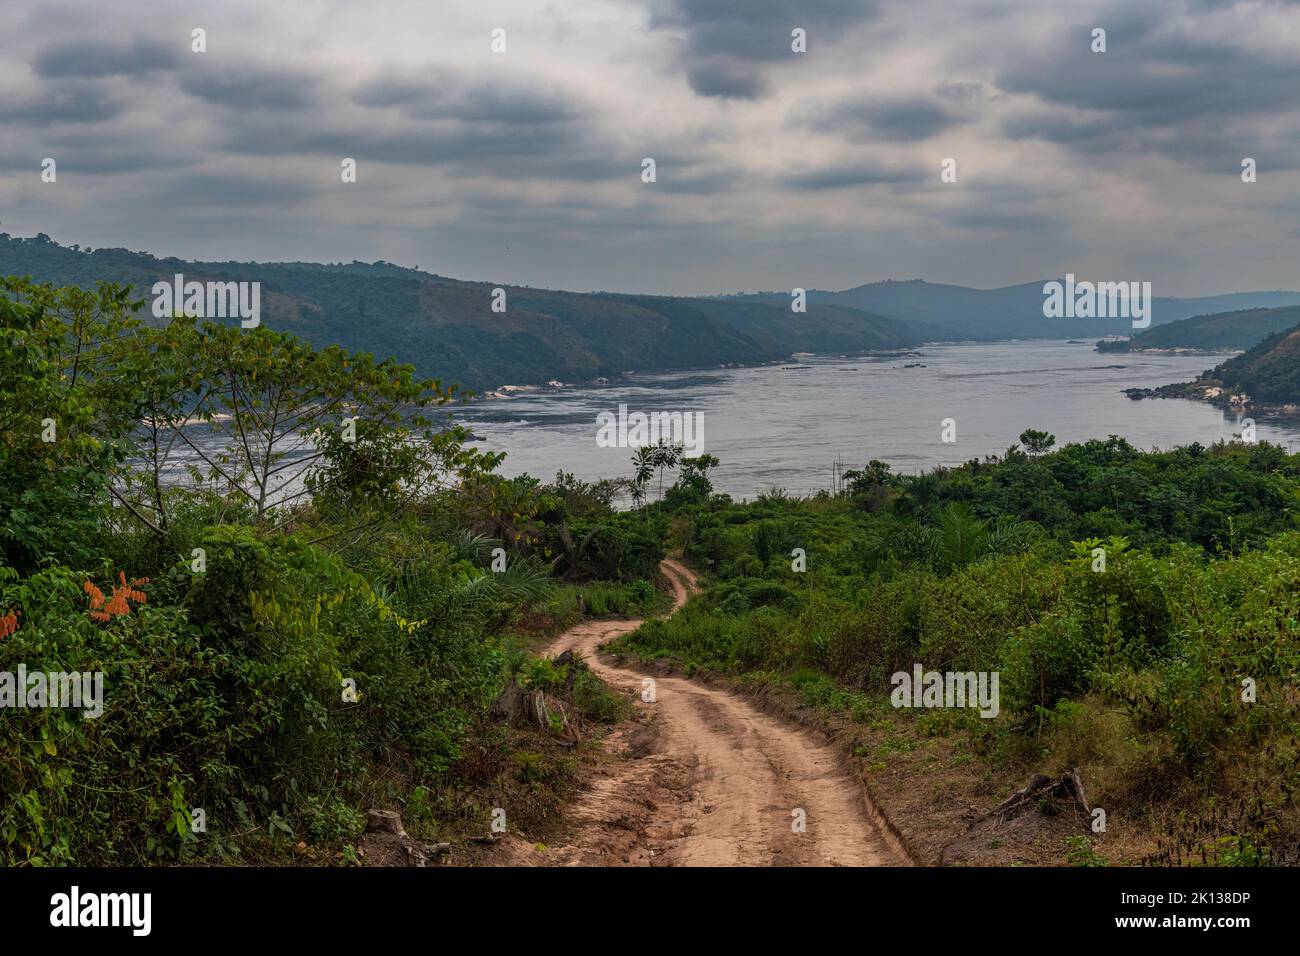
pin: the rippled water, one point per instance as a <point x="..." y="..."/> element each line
<point x="783" y="427"/>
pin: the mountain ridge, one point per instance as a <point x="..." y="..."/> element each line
<point x="1215" y="332"/>
<point x="445" y="327"/>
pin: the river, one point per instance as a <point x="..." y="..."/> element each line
<point x="784" y="426"/>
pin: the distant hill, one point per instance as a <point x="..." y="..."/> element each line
<point x="1219" y="332"/>
<point x="1269" y="373"/>
<point x="1264" y="377"/>
<point x="955" y="312"/>
<point x="445" y="327"/>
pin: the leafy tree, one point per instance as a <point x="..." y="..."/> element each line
<point x="64" y="425"/>
<point x="693" y="484"/>
<point x="663" y="456"/>
<point x="643" y="469"/>
<point x="1037" y="442"/>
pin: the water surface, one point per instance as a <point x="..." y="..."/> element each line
<point x="784" y="427"/>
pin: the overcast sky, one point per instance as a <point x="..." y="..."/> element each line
<point x="775" y="169"/>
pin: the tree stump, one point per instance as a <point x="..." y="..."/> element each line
<point x="385" y="821"/>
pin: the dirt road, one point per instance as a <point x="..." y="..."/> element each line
<point x="706" y="779"/>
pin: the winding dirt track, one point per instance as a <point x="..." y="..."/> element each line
<point x="709" y="780"/>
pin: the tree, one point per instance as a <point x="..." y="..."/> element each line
<point x="1036" y="442"/>
<point x="663" y="456"/>
<point x="643" y="469"/>
<point x="64" y="421"/>
<point x="869" y="486"/>
<point x="693" y="482"/>
<point x="281" y="410"/>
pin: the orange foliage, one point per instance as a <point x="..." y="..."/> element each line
<point x="115" y="606"/>
<point x="8" y="623"/>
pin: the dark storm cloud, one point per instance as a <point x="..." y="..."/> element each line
<point x="729" y="45"/>
<point x="97" y="57"/>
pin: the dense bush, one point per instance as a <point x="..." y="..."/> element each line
<point x="994" y="567"/>
<point x="273" y="659"/>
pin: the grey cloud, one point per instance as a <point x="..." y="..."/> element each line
<point x="100" y="57"/>
<point x="1055" y="127"/>
<point x="899" y="120"/>
<point x="697" y="178"/>
<point x="522" y="153"/>
<point x="727" y="78"/>
<point x="73" y="104"/>
<point x="854" y="174"/>
<point x="1002" y="218"/>
<point x="216" y="188"/>
<point x="756" y="31"/>
<point x="964" y="93"/>
<point x="461" y="154"/>
<point x="441" y="95"/>
<point x="729" y="45"/>
<point x="247" y="86"/>
<point x="1151" y="79"/>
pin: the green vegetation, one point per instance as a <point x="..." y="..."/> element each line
<point x="1269" y="373"/>
<point x="447" y="330"/>
<point x="1131" y="666"/>
<point x="1218" y="332"/>
<point x="1263" y="378"/>
<point x="277" y="659"/>
<point x="326" y="612"/>
<point x="957" y="313"/>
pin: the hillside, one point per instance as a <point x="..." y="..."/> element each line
<point x="446" y="328"/>
<point x="955" y="312"/>
<point x="1264" y="378"/>
<point x="1269" y="373"/>
<point x="1220" y="331"/>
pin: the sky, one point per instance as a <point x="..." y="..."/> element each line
<point x="774" y="169"/>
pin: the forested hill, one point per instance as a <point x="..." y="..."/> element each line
<point x="1221" y="331"/>
<point x="947" y="312"/>
<point x="1269" y="373"/>
<point x="447" y="329"/>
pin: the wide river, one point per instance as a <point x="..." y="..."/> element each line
<point x="783" y="427"/>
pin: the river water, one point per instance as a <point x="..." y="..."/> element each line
<point x="784" y="426"/>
